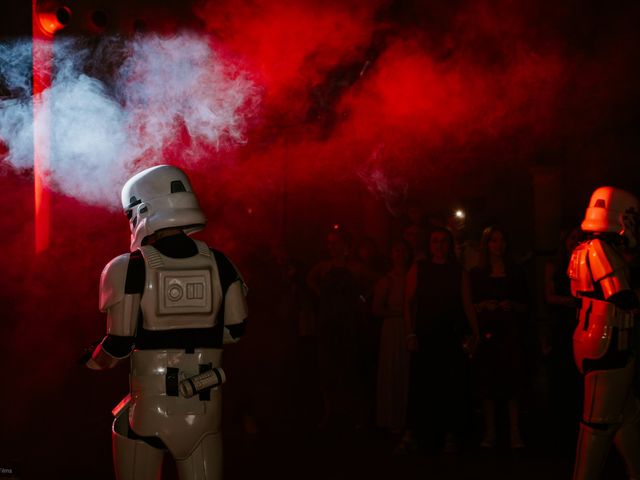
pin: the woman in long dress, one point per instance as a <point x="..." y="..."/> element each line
<point x="393" y="357"/>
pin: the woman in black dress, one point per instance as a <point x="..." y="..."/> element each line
<point x="438" y="315"/>
<point x="500" y="298"/>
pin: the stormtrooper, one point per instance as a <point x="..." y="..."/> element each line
<point x="171" y="304"/>
<point x="604" y="341"/>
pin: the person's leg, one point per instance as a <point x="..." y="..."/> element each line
<point x="627" y="438"/>
<point x="490" y="434"/>
<point x="414" y="406"/>
<point x="606" y="397"/>
<point x="205" y="462"/>
<point x="133" y="458"/>
<point x="514" y="423"/>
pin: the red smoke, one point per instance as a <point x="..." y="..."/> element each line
<point x="291" y="45"/>
<point x="422" y="105"/>
<point x="411" y="93"/>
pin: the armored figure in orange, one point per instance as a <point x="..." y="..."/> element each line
<point x="603" y="342"/>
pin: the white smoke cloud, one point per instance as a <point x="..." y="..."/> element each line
<point x="16" y="130"/>
<point x="90" y="145"/>
<point x="16" y="110"/>
<point x="380" y="181"/>
<point x="113" y="107"/>
<point x="15" y="65"/>
<point x="209" y="97"/>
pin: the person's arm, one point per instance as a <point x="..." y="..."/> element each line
<point x="235" y="311"/>
<point x="121" y="303"/>
<point x="609" y="270"/>
<point x="234" y="291"/>
<point x="410" y="308"/>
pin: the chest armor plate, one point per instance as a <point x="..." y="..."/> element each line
<point x="180" y="292"/>
<point x="579" y="272"/>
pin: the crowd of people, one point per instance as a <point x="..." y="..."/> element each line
<point x="432" y="341"/>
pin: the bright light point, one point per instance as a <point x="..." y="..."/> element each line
<point x="52" y="21"/>
<point x="459" y="214"/>
<point x="336" y="226"/>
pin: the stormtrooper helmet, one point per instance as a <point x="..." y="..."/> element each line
<point x="160" y="197"/>
<point x="613" y="210"/>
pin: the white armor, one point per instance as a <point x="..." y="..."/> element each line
<point x="178" y="294"/>
<point x="598" y="272"/>
<point x="160" y="197"/>
<point x="615" y="211"/>
<point x="122" y="309"/>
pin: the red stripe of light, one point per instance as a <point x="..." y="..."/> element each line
<point x="42" y="61"/>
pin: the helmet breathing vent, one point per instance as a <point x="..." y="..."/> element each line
<point x="600" y="203"/>
<point x="133" y="202"/>
<point x="177" y="186"/>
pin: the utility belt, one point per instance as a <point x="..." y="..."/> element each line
<point x="173" y="373"/>
<point x="607" y="313"/>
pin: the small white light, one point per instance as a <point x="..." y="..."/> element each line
<point x="459" y="214"/>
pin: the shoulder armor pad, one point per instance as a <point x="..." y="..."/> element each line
<point x="203" y="248"/>
<point x="235" y="304"/>
<point x="112" y="281"/>
<point x="603" y="259"/>
<point x="227" y="270"/>
<point x="579" y="272"/>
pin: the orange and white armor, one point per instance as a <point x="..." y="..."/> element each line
<point x="603" y="341"/>
<point x="598" y="272"/>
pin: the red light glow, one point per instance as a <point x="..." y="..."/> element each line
<point x="42" y="62"/>
<point x="50" y="21"/>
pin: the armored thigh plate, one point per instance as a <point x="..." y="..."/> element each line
<point x="592" y="336"/>
<point x="133" y="459"/>
<point x="606" y="393"/>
